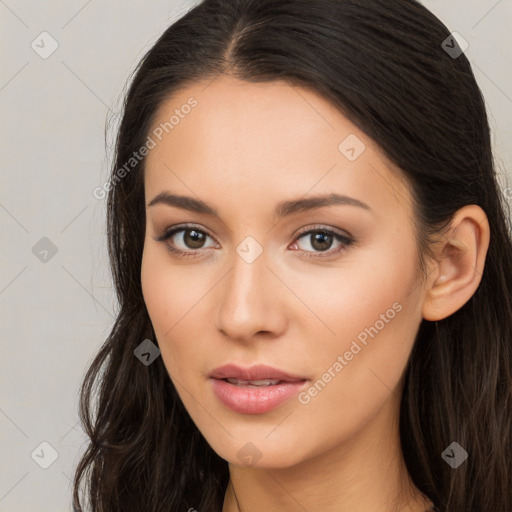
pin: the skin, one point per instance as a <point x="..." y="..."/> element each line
<point x="243" y="149"/>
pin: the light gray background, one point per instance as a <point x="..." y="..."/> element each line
<point x="56" y="314"/>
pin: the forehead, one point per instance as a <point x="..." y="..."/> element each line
<point x="265" y="140"/>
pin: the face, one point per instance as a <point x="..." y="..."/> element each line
<point x="328" y="294"/>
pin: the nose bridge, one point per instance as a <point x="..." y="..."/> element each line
<point x="247" y="304"/>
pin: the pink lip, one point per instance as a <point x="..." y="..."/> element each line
<point x="257" y="372"/>
<point x="254" y="399"/>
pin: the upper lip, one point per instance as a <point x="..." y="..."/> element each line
<point x="257" y="372"/>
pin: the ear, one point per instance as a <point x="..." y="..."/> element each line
<point x="459" y="264"/>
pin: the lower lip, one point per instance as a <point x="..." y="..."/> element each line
<point x="254" y="399"/>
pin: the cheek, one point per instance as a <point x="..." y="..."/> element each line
<point x="154" y="281"/>
<point x="372" y="294"/>
<point x="173" y="296"/>
<point x="375" y="314"/>
<point x="168" y="289"/>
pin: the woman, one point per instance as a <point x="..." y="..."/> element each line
<point x="314" y="269"/>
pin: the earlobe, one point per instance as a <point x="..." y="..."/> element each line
<point x="459" y="265"/>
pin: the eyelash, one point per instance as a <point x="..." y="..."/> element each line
<point x="345" y="241"/>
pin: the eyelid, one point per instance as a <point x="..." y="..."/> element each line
<point x="180" y="227"/>
<point x="323" y="227"/>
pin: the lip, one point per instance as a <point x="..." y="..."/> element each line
<point x="254" y="399"/>
<point x="257" y="372"/>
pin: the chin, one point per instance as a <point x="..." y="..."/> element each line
<point x="259" y="454"/>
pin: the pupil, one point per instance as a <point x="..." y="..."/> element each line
<point x="319" y="237"/>
<point x="195" y="235"/>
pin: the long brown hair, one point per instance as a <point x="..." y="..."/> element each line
<point x="385" y="66"/>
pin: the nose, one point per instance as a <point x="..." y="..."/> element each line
<point x="251" y="301"/>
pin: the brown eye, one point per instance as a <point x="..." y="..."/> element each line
<point x="321" y="241"/>
<point x="193" y="238"/>
<point x="184" y="241"/>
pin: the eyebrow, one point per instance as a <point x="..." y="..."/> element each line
<point x="283" y="209"/>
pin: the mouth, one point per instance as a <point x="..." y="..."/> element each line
<point x="254" y="390"/>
